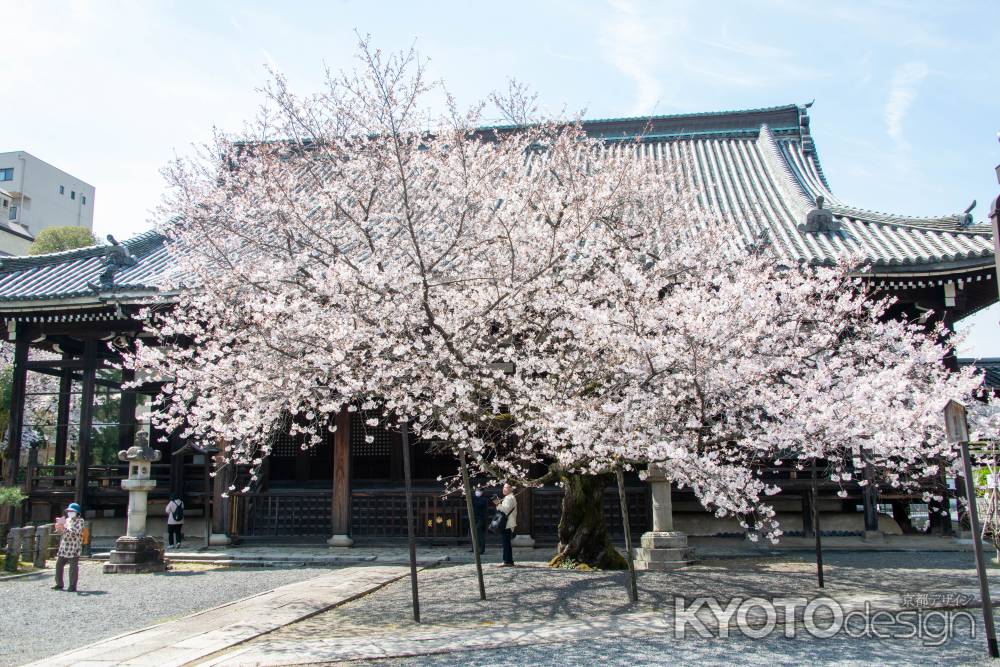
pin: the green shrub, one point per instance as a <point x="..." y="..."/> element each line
<point x="10" y="495"/>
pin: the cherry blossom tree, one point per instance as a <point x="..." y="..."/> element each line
<point x="344" y="256"/>
<point x="526" y="295"/>
<point x="740" y="364"/>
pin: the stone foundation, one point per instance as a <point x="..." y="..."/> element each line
<point x="135" y="555"/>
<point x="663" y="551"/>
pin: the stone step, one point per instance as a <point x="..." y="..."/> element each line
<point x="664" y="540"/>
<point x="661" y="567"/>
<point x="663" y="555"/>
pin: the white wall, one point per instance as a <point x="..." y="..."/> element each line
<point x="36" y="184"/>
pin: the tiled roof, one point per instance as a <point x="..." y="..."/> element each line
<point x="760" y="169"/>
<point x="78" y="273"/>
<point x="757" y="167"/>
<point x="990" y="366"/>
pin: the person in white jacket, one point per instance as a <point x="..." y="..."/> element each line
<point x="509" y="507"/>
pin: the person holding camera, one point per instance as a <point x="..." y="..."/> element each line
<point x="70" y="546"/>
<point x="507" y="507"/>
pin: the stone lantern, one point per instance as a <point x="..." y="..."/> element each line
<point x="135" y="551"/>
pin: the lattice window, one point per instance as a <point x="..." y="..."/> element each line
<point x="285" y="447"/>
<point x="381" y="444"/>
<point x="288" y="446"/>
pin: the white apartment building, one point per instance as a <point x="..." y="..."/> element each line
<point x="35" y="195"/>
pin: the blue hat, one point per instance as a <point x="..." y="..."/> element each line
<point x="75" y="508"/>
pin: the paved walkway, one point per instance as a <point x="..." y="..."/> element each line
<point x="194" y="637"/>
<point x="432" y="640"/>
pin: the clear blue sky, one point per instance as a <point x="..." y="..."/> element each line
<point x="906" y="115"/>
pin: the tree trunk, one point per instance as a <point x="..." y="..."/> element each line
<point x="583" y="535"/>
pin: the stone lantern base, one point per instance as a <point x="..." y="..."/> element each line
<point x="134" y="555"/>
<point x="663" y="551"/>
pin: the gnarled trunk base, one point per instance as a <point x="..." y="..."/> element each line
<point x="583" y="535"/>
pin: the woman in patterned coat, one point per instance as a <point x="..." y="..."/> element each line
<point x="69" y="547"/>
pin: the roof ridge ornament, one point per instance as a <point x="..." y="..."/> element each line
<point x="116" y="257"/>
<point x="821" y="219"/>
<point x="966" y="218"/>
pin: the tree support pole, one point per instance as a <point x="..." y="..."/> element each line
<point x="409" y="523"/>
<point x="472" y="524"/>
<point x="816" y="526"/>
<point x="633" y="588"/>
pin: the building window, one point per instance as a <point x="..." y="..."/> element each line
<point x="13" y="213"/>
<point x="83" y="199"/>
<point x="72" y="194"/>
<point x="62" y="189"/>
<point x="7" y="174"/>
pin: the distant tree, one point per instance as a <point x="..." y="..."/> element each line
<point x="57" y="239"/>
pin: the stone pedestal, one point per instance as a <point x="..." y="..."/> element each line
<point x="662" y="548"/>
<point x="218" y="540"/>
<point x="340" y="541"/>
<point x="12" y="553"/>
<point x="133" y="555"/>
<point x="42" y="544"/>
<point x="523" y="542"/>
<point x="28" y="544"/>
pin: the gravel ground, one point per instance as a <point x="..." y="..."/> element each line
<point x="36" y="621"/>
<point x="449" y="594"/>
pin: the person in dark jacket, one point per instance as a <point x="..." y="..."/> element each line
<point x="481" y="517"/>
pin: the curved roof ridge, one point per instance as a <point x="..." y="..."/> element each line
<point x="949" y="223"/>
<point x="697" y="114"/>
<point x="139" y="245"/>
<point x="772" y="156"/>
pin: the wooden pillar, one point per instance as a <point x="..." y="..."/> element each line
<point x="62" y="415"/>
<point x="395" y="456"/>
<point x="869" y="501"/>
<point x="938" y="511"/>
<point x="341" y="505"/>
<point x="126" y="413"/>
<point x="86" y="420"/>
<point x="525" y="523"/>
<point x="17" y="389"/>
<point x="220" y="513"/>
<point x="176" y="467"/>
<point x="807" y="518"/>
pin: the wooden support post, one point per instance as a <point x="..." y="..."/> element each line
<point x="869" y="500"/>
<point x="633" y="588"/>
<point x="207" y="499"/>
<point x="30" y="473"/>
<point x="17" y="389"/>
<point x="176" y="467"/>
<point x="62" y="416"/>
<point x="958" y="431"/>
<point x="219" y="485"/>
<point x="472" y="523"/>
<point x="939" y="511"/>
<point x="415" y="595"/>
<point x="86" y="420"/>
<point x="816" y="525"/>
<point x="341" y="502"/>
